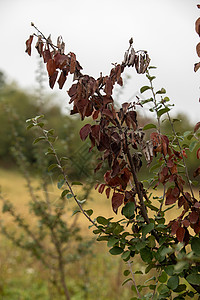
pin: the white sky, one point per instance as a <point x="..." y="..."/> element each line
<point x="99" y="31"/>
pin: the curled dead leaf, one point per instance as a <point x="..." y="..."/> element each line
<point x="28" y="45"/>
<point x="197" y="26"/>
<point x="51" y="67"/>
<point x="198" y="49"/>
<point x="72" y="63"/>
<point x="197" y="126"/>
<point x="196" y="67"/>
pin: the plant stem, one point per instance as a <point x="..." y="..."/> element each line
<point x="60" y="263"/>
<point x="133" y="278"/>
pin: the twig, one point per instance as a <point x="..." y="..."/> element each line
<point x="133" y="278"/>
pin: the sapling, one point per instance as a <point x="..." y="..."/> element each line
<point x="168" y="249"/>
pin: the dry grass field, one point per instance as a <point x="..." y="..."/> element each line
<point x="24" y="278"/>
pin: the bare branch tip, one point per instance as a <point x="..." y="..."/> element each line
<point x="131" y="41"/>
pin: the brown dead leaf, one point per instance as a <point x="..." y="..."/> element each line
<point x="72" y="63"/>
<point x="198" y="49"/>
<point x="196" y="67"/>
<point x="28" y="45"/>
<point x="197" y="26"/>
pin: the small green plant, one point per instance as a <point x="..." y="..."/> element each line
<point x="53" y="241"/>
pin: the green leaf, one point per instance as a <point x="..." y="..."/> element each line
<point x="147" y="228"/>
<point x="30" y="126"/>
<point x="125" y="255"/>
<point x="173" y="282"/>
<point x="180" y="288"/>
<point x="140" y="245"/>
<point x="112" y="241"/>
<point x="116" y="250"/>
<point x="60" y="183"/>
<point x="152" y="278"/>
<point x="152" y="67"/>
<point x="163" y="289"/>
<point x="146" y="101"/>
<point x="190" y="136"/>
<point x="64" y="193"/>
<point x="195" y="182"/>
<point x="38" y="117"/>
<point x="76" y="183"/>
<point x="162" y="111"/>
<point x="49" y="152"/>
<point x="126" y="272"/>
<point x="125" y="281"/>
<point x="118" y="229"/>
<point x="52" y="139"/>
<point x="193" y="145"/>
<point x="29" y="120"/>
<point x="144" y="88"/>
<point x="152" y="207"/>
<point x="176" y="120"/>
<point x="128" y="210"/>
<point x="41" y="138"/>
<point x="102" y="220"/>
<point x="162" y="91"/>
<point x="102" y="238"/>
<point x="154" y="167"/>
<point x="163" y="277"/>
<point x="89" y="212"/>
<point x="186" y="133"/>
<point x="64" y="158"/>
<point x="148" y="268"/>
<point x="193" y="279"/>
<point x="149" y="126"/>
<point x="51" y="131"/>
<point x="97" y="231"/>
<point x="138" y="272"/>
<point x="146" y="255"/>
<point x="166" y="99"/>
<point x="195" y="245"/>
<point x="75" y="212"/>
<point x="151" y="241"/>
<point x="51" y="167"/>
<point x="69" y="196"/>
<point x="40" y="124"/>
<point x="151" y="78"/>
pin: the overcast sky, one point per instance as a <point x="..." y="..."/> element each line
<point x="99" y="31"/>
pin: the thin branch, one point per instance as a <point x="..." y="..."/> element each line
<point x="133" y="278"/>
